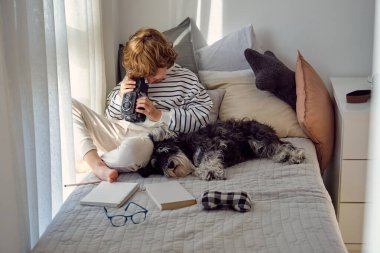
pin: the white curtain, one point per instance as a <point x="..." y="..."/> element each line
<point x="36" y="124"/>
<point x="86" y="52"/>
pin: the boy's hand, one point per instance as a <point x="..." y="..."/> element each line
<point x="145" y="106"/>
<point x="127" y="85"/>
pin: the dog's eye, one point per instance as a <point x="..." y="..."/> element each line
<point x="171" y="165"/>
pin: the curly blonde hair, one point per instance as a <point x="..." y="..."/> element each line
<point x="146" y="51"/>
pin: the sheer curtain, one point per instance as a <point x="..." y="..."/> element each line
<point x="36" y="106"/>
<point x="36" y="137"/>
<point x="86" y="52"/>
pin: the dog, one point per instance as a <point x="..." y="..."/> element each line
<point x="206" y="152"/>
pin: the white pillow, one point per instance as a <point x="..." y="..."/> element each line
<point x="239" y="76"/>
<point x="243" y="100"/>
<point x="227" y="54"/>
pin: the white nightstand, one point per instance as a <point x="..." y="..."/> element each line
<point x="346" y="180"/>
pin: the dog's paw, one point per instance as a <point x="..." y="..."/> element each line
<point x="215" y="175"/>
<point x="287" y="153"/>
<point x="297" y="156"/>
<point x="210" y="174"/>
<point x="197" y="157"/>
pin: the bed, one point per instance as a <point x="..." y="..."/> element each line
<point x="291" y="212"/>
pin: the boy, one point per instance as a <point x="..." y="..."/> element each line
<point x="177" y="102"/>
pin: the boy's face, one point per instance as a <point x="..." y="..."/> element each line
<point x="159" y="76"/>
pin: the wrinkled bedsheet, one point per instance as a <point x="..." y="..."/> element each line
<point x="292" y="212"/>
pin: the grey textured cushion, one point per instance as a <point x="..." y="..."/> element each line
<point x="182" y="41"/>
<point x="216" y="98"/>
<point x="272" y="75"/>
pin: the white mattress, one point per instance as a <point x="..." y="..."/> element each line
<point x="292" y="212"/>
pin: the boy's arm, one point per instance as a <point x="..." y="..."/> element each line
<point x="114" y="104"/>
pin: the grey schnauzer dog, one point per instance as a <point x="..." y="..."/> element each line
<point x="206" y="152"/>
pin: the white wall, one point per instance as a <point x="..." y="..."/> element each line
<point x="336" y="37"/>
<point x="372" y="218"/>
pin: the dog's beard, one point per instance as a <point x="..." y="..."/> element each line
<point x="182" y="166"/>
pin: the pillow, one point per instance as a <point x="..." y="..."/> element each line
<point x="239" y="76"/>
<point x="272" y="75"/>
<point x="216" y="98"/>
<point x="315" y="111"/>
<point x="181" y="38"/>
<point x="227" y="54"/>
<point x="198" y="39"/>
<point x="243" y="100"/>
<point x="182" y="41"/>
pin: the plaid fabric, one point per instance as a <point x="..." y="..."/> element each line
<point x="238" y="201"/>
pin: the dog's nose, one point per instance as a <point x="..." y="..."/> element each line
<point x="171" y="165"/>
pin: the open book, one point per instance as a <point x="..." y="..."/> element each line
<point x="169" y="195"/>
<point x="110" y="194"/>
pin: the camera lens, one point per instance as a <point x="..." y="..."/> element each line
<point x="127" y="105"/>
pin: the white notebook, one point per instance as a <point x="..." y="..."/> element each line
<point x="169" y="195"/>
<point x="110" y="194"/>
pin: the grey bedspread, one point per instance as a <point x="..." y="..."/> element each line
<point x="292" y="212"/>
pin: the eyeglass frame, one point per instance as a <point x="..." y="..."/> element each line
<point x="145" y="211"/>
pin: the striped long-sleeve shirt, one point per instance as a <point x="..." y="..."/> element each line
<point x="184" y="103"/>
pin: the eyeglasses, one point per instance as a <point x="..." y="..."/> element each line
<point x="121" y="220"/>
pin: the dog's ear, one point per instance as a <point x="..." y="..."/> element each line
<point x="161" y="133"/>
<point x="149" y="170"/>
<point x="144" y="172"/>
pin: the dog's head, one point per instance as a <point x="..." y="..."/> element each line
<point x="168" y="159"/>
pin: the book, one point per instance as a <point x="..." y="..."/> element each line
<point x="110" y="194"/>
<point x="169" y="195"/>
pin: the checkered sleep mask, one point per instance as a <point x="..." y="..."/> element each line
<point x="239" y="201"/>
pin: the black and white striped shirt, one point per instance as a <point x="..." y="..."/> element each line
<point x="184" y="103"/>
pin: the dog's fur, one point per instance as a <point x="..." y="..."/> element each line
<point x="206" y="152"/>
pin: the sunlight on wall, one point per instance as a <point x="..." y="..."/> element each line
<point x="376" y="43"/>
<point x="198" y="17"/>
<point x="215" y="27"/>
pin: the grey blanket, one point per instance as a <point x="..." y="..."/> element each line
<point x="292" y="212"/>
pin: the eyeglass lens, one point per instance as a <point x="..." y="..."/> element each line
<point x="118" y="220"/>
<point x="138" y="217"/>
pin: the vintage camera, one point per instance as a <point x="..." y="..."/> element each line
<point x="128" y="105"/>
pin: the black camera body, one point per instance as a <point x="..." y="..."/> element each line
<point x="128" y="105"/>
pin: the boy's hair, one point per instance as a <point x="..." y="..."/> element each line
<point x="146" y="51"/>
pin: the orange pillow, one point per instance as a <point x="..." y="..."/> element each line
<point x="315" y="112"/>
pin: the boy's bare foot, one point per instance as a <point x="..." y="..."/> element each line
<point x="100" y="169"/>
<point x="105" y="173"/>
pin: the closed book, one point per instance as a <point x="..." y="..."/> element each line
<point x="110" y="194"/>
<point x="169" y="195"/>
